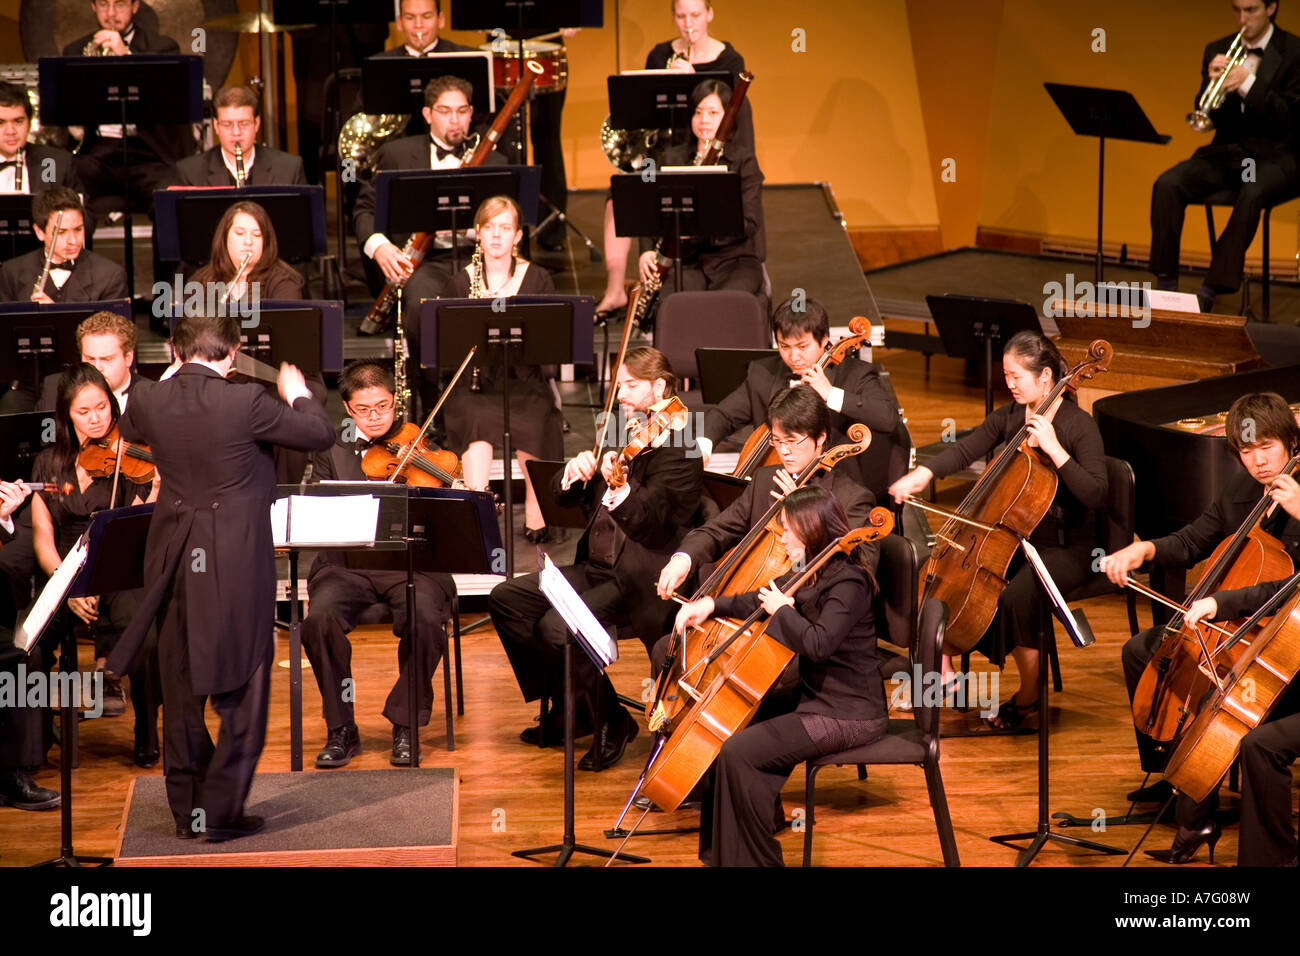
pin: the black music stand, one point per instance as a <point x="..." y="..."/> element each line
<point x="306" y="333"/>
<point x="722" y="371"/>
<point x="144" y="89"/>
<point x="521" y="330"/>
<point x="655" y="99"/>
<point x="678" y="202"/>
<point x="541" y="472"/>
<point x="1094" y="111"/>
<point x="16" y="235"/>
<point x="38" y="339"/>
<point x="185" y="219"/>
<point x="395" y="84"/>
<point x="969" y="325"/>
<point x="120" y="534"/>
<point x="22" y="437"/>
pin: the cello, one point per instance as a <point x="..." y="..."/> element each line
<point x="757" y="451"/>
<point x="967" y="568"/>
<point x="1172" y="683"/>
<point x="1242" y="700"/>
<point x="739" y="667"/>
<point x="756" y="559"/>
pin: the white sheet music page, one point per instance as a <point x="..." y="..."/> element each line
<point x="589" y="631"/>
<point x="318" y="521"/>
<point x="51" y="597"/>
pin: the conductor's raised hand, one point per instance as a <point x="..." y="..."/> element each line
<point x="291" y="384"/>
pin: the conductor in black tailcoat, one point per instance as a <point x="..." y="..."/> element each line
<point x="210" y="565"/>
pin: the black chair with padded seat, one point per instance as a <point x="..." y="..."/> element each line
<point x="905" y="742"/>
<point x="1228" y="197"/>
<point x="721" y="319"/>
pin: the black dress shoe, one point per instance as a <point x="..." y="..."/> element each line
<point x="539" y="535"/>
<point x="401" y="747"/>
<point x="184" y="831"/>
<point x="341" y="746"/>
<point x="146" y="757"/>
<point x="19" y="790"/>
<point x="612" y="741"/>
<point x="242" y="826"/>
<point x="1158" y="792"/>
<point x="551" y="734"/>
<point x="1187" y="842"/>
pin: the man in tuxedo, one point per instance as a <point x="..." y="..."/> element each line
<point x="153" y="149"/>
<point x="42" y="166"/>
<point x="210" y="566"/>
<point x="105" y="340"/>
<point x="76" y="274"/>
<point x="632" y="530"/>
<point x="1254" y="150"/>
<point x="852" y="390"/>
<point x="420" y="22"/>
<point x="339" y="595"/>
<point x="450" y="116"/>
<point x="239" y="121"/>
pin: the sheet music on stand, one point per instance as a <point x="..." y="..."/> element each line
<point x="589" y="633"/>
<point x="1079" y="631"/>
<point x="51" y="596"/>
<point x="311" y="521"/>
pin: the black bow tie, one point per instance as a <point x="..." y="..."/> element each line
<point x="69" y="265"/>
<point x="1257" y="50"/>
<point x="5" y="164"/>
<point x="456" y="151"/>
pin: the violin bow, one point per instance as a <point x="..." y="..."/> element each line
<point x="436" y="408"/>
<point x="603" y="428"/>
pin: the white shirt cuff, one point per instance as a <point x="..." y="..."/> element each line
<point x="1246" y="84"/>
<point x="297" y="393"/>
<point x="705" y="446"/>
<point x="7" y="524"/>
<point x="835" y="400"/>
<point x="613" y="499"/>
<point x="372" y="245"/>
<point x="570" y="475"/>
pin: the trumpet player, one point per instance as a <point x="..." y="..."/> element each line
<point x="68" y="272"/>
<point x="1250" y="92"/>
<point x="239" y="122"/>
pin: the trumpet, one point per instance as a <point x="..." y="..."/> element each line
<point x="240" y="274"/>
<point x="49" y="255"/>
<point x="682" y="57"/>
<point x="240" y="177"/>
<point x="1212" y="98"/>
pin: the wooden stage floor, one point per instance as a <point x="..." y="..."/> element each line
<point x="512" y="794"/>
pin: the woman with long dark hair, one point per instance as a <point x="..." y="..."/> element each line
<point x="1068" y="436"/>
<point x="86" y="411"/>
<point x="841" y="695"/>
<point x="245" y="231"/>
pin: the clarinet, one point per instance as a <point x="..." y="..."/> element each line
<point x="21" y="164"/>
<point x="401" y="390"/>
<point x="49" y="255"/>
<point x="241" y="179"/>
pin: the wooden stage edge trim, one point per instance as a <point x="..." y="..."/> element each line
<point x="447" y="855"/>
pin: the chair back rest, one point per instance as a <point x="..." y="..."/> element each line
<point x="897" y="573"/>
<point x="933" y="622"/>
<point x="724" y="318"/>
<point x="1115" y="522"/>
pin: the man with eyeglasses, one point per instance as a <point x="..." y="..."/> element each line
<point x="239" y="121"/>
<point x="338" y="596"/>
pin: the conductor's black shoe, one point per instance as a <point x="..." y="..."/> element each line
<point x="20" y="791"/>
<point x="1205" y="297"/>
<point x="184" y="831"/>
<point x="539" y="535"/>
<point x="612" y="740"/>
<point x="146" y="757"/>
<point x="1158" y="792"/>
<point x="241" y="826"/>
<point x="401" y="747"/>
<point x="342" y="744"/>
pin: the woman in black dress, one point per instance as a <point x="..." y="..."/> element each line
<point x="245" y="231"/>
<point x="473" y="413"/>
<point x="841" y="696"/>
<point x="86" y="411"/>
<point x="693" y="50"/>
<point x="1065" y="537"/>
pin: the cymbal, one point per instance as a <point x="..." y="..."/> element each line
<point x="252" y="23"/>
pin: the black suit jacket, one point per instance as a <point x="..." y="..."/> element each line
<point x="212" y="439"/>
<point x="136" y="390"/>
<point x="169" y="142"/>
<point x="1193" y="543"/>
<point x="93" y="279"/>
<point x="865" y="401"/>
<point x="661" y="508"/>
<point x="270" y="167"/>
<point x="708" y="543"/>
<point x="409" y="152"/>
<point x="48" y="166"/>
<point x="1269" y="126"/>
<point x="444" y="46"/>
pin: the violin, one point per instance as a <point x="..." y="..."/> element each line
<point x="736" y="668"/>
<point x="110" y="455"/>
<point x="1173" y="683"/>
<point x="758" y="451"/>
<point x="670" y="415"/>
<point x="968" y="566"/>
<point x="757" y="558"/>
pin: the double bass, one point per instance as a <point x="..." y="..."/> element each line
<point x="757" y="451"/>
<point x="968" y="566"/>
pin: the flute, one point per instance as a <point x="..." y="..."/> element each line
<point x="39" y="288"/>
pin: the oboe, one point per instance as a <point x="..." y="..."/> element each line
<point x="49" y="254"/>
<point x="240" y="177"/>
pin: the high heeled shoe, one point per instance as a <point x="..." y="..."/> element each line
<point x="1187" y="842"/>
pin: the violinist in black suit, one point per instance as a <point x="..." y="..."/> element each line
<point x="450" y="116"/>
<point x="1254" y="150"/>
<point x="632" y="530"/>
<point x="239" y="122"/>
<point x="42" y="166"/>
<point x="76" y="274"/>
<point x="840" y="702"/>
<point x="210" y="565"/>
<point x="153" y="148"/>
<point x="852" y="390"/>
<point x="339" y="595"/>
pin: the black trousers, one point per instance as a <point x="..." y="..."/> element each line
<point x="705" y="273"/>
<point x="199" y="775"/>
<point x="533" y="635"/>
<point x="107" y="186"/>
<point x="1212" y="169"/>
<point x="546" y="115"/>
<point x="1137" y="653"/>
<point x="22" y="740"/>
<point x="1019" y="619"/>
<point x="1267" y="835"/>
<point x="338" y="598"/>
